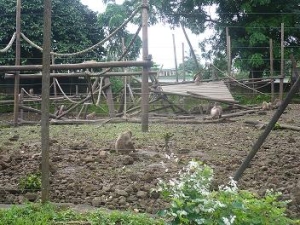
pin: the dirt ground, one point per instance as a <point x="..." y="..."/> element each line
<point x="86" y="170"/>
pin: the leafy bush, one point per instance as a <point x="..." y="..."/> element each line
<point x="31" y="182"/>
<point x="193" y="202"/>
<point x="250" y="99"/>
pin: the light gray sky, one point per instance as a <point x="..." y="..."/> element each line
<point x="160" y="39"/>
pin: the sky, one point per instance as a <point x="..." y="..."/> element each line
<point x="160" y="39"/>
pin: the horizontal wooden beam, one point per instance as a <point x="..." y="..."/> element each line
<point x="78" y="66"/>
<point x="79" y="74"/>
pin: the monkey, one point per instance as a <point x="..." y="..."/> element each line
<point x="124" y="143"/>
<point x="266" y="106"/>
<point x="276" y="103"/>
<point x="216" y="111"/>
<point x="197" y="80"/>
<point x="31" y="91"/>
<point x="91" y="116"/>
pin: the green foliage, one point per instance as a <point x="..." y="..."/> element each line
<point x="277" y="126"/>
<point x="33" y="214"/>
<point x="6" y="108"/>
<point x="74" y="28"/>
<point x="117" y="84"/>
<point x="110" y="20"/>
<point x="249" y="99"/>
<point x="193" y="202"/>
<point x="251" y="25"/>
<point x="31" y="182"/>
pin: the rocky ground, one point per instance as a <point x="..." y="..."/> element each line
<point x="86" y="170"/>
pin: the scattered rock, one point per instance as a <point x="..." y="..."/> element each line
<point x="127" y="160"/>
<point x="31" y="196"/>
<point x="141" y="194"/>
<point x="121" y="192"/>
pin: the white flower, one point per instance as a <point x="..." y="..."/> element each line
<point x="228" y="221"/>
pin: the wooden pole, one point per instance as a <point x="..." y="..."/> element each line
<point x="17" y="62"/>
<point x="281" y="62"/>
<point x="269" y="127"/>
<point x="192" y="50"/>
<point x="145" y="74"/>
<point x="45" y="101"/>
<point x="147" y="63"/>
<point x="228" y="52"/>
<point x="125" y="82"/>
<point x="175" y="57"/>
<point x="272" y="70"/>
<point x="183" y="66"/>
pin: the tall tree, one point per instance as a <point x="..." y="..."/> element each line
<point x="74" y="28"/>
<point x="251" y="25"/>
<point x="110" y="20"/>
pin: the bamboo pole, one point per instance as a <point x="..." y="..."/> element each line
<point x="45" y="101"/>
<point x="17" y="62"/>
<point x="145" y="75"/>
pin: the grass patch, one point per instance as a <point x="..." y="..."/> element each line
<point x="32" y="214"/>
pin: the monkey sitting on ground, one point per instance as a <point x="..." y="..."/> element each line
<point x="197" y="80"/>
<point x="266" y="106"/>
<point x="124" y="144"/>
<point x="216" y="111"/>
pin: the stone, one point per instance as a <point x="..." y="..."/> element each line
<point x="98" y="201"/>
<point x="121" y="192"/>
<point x="141" y="194"/>
<point x="31" y="196"/>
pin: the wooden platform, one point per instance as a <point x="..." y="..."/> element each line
<point x="214" y="90"/>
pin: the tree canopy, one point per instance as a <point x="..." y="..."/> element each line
<point x="74" y="28"/>
<point x="251" y="25"/>
<point x="110" y="20"/>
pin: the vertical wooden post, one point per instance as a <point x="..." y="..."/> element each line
<point x="183" y="66"/>
<point x="109" y="98"/>
<point x="45" y="100"/>
<point x="17" y="62"/>
<point x="272" y="70"/>
<point x="175" y="57"/>
<point x="228" y="52"/>
<point x="145" y="72"/>
<point x="54" y="83"/>
<point x="281" y="62"/>
<point x="125" y="82"/>
<point x="21" y="102"/>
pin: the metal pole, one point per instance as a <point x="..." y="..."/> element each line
<point x="145" y="73"/>
<point x="45" y="100"/>
<point x="17" y="63"/>
<point x="269" y="127"/>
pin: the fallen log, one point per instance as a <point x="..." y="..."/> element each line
<point x="236" y="114"/>
<point x="261" y="125"/>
